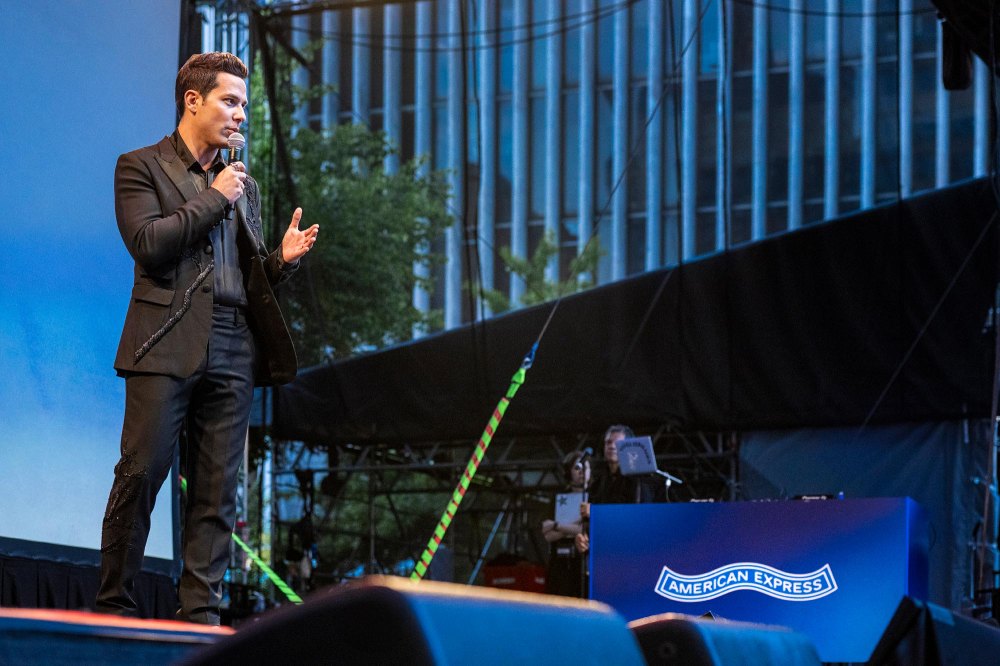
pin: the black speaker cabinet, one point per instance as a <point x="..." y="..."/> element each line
<point x="385" y="620"/>
<point x="672" y="639"/>
<point x="924" y="634"/>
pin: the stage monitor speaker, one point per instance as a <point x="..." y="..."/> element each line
<point x="924" y="634"/>
<point x="672" y="639"/>
<point x="385" y="620"/>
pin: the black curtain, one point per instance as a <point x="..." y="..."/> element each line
<point x="877" y="317"/>
<point x="31" y="583"/>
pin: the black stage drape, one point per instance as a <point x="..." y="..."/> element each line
<point x="29" y="583"/>
<point x="45" y="575"/>
<point x="811" y="328"/>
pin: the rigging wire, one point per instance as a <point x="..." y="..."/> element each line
<point x="987" y="532"/>
<point x="290" y="9"/>
<point x="628" y="163"/>
<point x="378" y="40"/>
<point x="785" y="9"/>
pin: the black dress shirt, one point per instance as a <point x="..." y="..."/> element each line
<point x="228" y="277"/>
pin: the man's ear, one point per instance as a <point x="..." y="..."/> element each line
<point x="191" y="99"/>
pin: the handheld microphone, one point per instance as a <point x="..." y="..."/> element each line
<point x="587" y="452"/>
<point x="236" y="143"/>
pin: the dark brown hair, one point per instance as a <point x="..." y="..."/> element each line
<point x="199" y="73"/>
<point x="623" y="429"/>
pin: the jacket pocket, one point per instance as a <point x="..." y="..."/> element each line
<point x="147" y="293"/>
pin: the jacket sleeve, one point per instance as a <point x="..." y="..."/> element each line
<point x="152" y="238"/>
<point x="277" y="269"/>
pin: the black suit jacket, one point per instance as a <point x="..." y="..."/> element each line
<point x="165" y="223"/>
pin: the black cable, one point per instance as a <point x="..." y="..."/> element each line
<point x="986" y="533"/>
<point x="819" y="12"/>
<point x="675" y="60"/>
<point x="927" y="323"/>
<point x="317" y="7"/>
<point x="471" y="204"/>
<point x="628" y="163"/>
<point x="589" y="17"/>
<point x="645" y="128"/>
<point x="470" y="208"/>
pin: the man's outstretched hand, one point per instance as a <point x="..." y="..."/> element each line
<point x="297" y="242"/>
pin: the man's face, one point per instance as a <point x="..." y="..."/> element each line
<point x="611" y="446"/>
<point x="221" y="112"/>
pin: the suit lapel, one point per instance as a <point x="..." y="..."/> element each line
<point x="178" y="174"/>
<point x="175" y="170"/>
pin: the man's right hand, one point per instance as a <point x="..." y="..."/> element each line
<point x="230" y="181"/>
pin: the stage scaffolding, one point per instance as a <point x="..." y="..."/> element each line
<point x="510" y="496"/>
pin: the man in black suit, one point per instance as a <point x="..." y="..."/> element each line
<point x="202" y="328"/>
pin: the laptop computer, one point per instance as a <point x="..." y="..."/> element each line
<point x="635" y="456"/>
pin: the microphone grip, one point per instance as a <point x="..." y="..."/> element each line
<point x="234" y="156"/>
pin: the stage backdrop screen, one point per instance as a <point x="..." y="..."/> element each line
<point x="82" y="81"/>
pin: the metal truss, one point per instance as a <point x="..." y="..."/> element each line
<point x="511" y="493"/>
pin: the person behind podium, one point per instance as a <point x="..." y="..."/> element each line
<point x="563" y="576"/>
<point x="610" y="486"/>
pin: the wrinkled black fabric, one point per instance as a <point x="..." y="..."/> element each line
<point x="807" y="328"/>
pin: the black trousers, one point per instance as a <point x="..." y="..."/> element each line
<point x="214" y="404"/>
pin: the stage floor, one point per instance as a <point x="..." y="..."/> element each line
<point x="36" y="636"/>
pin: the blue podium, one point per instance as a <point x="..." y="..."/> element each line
<point x="834" y="570"/>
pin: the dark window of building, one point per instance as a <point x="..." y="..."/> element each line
<point x="571" y="139"/>
<point x="887" y="30"/>
<point x="603" y="166"/>
<point x="639" y="38"/>
<point x="346" y="61"/>
<point x="638" y="131"/>
<point x="505" y="161"/>
<point x="741" y="18"/>
<point x="815" y="37"/>
<point x="741" y="140"/>
<point x="850" y="29"/>
<point x="408" y="143"/>
<point x="408" y="53"/>
<point x="541" y="33"/>
<point x="813" y="134"/>
<point x="635" y="261"/>
<point x="707" y="41"/>
<point x="670" y="110"/>
<point x="705" y="154"/>
<point x="850" y="136"/>
<point x="376" y="54"/>
<point x="777" y="36"/>
<point x="440" y="136"/>
<point x="536" y="142"/>
<point x="962" y="130"/>
<point x="670" y="250"/>
<point x="923" y="123"/>
<point x="505" y="38"/>
<point x="704" y="232"/>
<point x="925" y="32"/>
<point x="887" y="128"/>
<point x="572" y="41"/>
<point x="777" y="136"/>
<point x="442" y="43"/>
<point x="739" y="225"/>
<point x="606" y="40"/>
